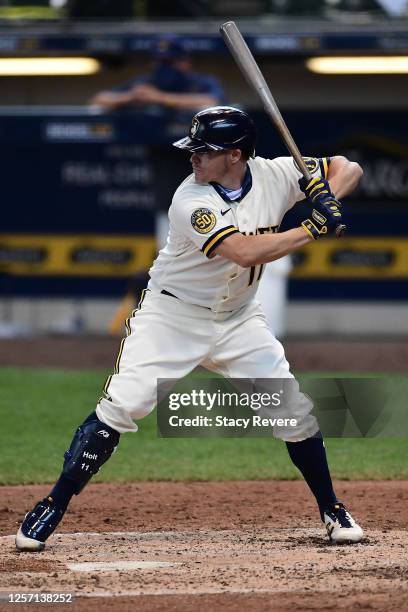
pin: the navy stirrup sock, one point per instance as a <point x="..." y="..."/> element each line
<point x="309" y="456"/>
<point x="65" y="488"/>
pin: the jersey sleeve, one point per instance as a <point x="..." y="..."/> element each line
<point x="317" y="166"/>
<point x="201" y="223"/>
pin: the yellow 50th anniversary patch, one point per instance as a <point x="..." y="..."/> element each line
<point x="203" y="220"/>
<point x="312" y="164"/>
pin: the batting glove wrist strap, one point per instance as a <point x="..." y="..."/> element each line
<point x="317" y="190"/>
<point x="311" y="229"/>
<point x="324" y="219"/>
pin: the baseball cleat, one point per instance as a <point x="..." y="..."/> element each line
<point x="38" y="525"/>
<point x="340" y="525"/>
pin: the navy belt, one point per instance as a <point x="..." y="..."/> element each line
<point x="164" y="292"/>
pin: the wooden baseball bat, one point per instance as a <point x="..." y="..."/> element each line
<point x="250" y="69"/>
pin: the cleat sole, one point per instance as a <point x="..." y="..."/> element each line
<point x="24" y="544"/>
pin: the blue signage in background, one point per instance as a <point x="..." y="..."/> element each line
<point x="76" y="174"/>
<point x="302" y="42"/>
<point x="79" y="194"/>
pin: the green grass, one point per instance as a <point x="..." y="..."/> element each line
<point x="40" y="409"/>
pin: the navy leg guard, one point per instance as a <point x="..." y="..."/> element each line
<point x="38" y="525"/>
<point x="92" y="445"/>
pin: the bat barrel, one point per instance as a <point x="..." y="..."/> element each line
<point x="250" y="69"/>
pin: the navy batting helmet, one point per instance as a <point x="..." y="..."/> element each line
<point x="219" y="128"/>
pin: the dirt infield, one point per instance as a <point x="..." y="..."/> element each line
<point x="217" y="546"/>
<point x="211" y="547"/>
<point x="331" y="354"/>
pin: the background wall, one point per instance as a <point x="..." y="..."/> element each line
<point x="77" y="233"/>
<point x="293" y="85"/>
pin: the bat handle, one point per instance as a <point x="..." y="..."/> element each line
<point x="340" y="230"/>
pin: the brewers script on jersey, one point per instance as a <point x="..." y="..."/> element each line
<point x="200" y="219"/>
<point x="178" y="334"/>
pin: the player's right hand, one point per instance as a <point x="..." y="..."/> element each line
<point x="324" y="219"/>
<point x="317" y="189"/>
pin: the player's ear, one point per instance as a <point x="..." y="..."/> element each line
<point x="236" y="155"/>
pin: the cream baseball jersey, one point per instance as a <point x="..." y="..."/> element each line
<point x="201" y="218"/>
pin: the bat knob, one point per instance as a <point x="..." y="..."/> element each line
<point x="340" y="230"/>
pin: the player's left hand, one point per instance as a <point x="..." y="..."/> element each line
<point x="317" y="190"/>
<point x="324" y="219"/>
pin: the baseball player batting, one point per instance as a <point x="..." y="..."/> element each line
<point x="200" y="308"/>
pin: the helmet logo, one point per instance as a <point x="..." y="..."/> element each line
<point x="195" y="124"/>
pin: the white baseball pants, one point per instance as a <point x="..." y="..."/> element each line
<point x="169" y="338"/>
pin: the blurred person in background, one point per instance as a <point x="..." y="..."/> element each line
<point x="172" y="84"/>
<point x="174" y="87"/>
